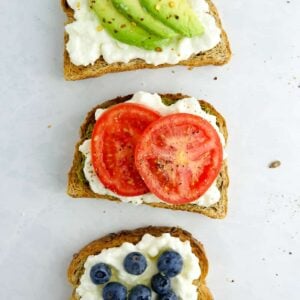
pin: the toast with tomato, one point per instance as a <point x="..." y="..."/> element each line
<point x="218" y="55"/>
<point x="77" y="268"/>
<point x="79" y="187"/>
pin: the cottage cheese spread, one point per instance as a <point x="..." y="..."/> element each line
<point x="87" y="42"/>
<point x="151" y="247"/>
<point x="153" y="101"/>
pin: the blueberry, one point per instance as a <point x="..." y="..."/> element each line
<point x="100" y="273"/>
<point x="114" y="291"/>
<point x="140" y="292"/>
<point x="135" y="263"/>
<point x="160" y="284"/>
<point x="170" y="263"/>
<point x="168" y="296"/>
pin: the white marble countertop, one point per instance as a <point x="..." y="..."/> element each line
<point x="254" y="253"/>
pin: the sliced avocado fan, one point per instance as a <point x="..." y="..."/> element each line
<point x="124" y="30"/>
<point x="133" y="10"/>
<point x="176" y="14"/>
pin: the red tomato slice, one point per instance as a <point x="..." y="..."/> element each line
<point x="179" y="156"/>
<point x="114" y="138"/>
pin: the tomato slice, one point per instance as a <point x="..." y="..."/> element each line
<point x="114" y="139"/>
<point x="179" y="156"/>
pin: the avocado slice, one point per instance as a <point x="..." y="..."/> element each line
<point x="133" y="10"/>
<point x="176" y="14"/>
<point x="123" y="30"/>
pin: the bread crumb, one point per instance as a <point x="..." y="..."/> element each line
<point x="274" y="164"/>
<point x="190" y="68"/>
<point x="49" y="126"/>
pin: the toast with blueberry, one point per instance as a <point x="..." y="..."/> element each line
<point x="78" y="186"/>
<point x="218" y="55"/>
<point x="170" y="263"/>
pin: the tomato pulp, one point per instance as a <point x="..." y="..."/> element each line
<point x="179" y="156"/>
<point x="114" y="138"/>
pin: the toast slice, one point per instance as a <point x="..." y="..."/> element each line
<point x="78" y="187"/>
<point x="219" y="55"/>
<point x="76" y="267"/>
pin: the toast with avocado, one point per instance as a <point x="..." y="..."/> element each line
<point x="79" y="186"/>
<point x="91" y="273"/>
<point x="145" y="26"/>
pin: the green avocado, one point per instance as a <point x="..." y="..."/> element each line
<point x="123" y="30"/>
<point x="133" y="10"/>
<point x="176" y="14"/>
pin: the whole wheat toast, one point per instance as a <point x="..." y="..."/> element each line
<point x="78" y="187"/>
<point x="219" y="55"/>
<point x="76" y="267"/>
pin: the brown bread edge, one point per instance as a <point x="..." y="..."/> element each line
<point x="76" y="267"/>
<point x="219" y="55"/>
<point x="79" y="189"/>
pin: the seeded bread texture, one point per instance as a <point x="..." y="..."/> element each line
<point x="76" y="267"/>
<point x="219" y="55"/>
<point x="78" y="187"/>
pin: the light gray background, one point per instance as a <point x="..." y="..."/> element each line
<point x="254" y="252"/>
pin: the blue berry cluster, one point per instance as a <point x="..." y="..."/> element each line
<point x="169" y="264"/>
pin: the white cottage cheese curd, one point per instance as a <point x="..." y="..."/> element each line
<point x="151" y="247"/>
<point x="87" y="42"/>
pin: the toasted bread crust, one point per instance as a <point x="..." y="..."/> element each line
<point x="76" y="267"/>
<point x="79" y="189"/>
<point x="219" y="55"/>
